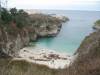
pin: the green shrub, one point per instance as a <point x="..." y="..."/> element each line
<point x="5" y="16"/>
<point x="19" y="17"/>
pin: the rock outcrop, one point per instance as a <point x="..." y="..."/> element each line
<point x="97" y="25"/>
<point x="12" y="40"/>
<point x="53" y="30"/>
<point x="62" y="18"/>
<point x="89" y="43"/>
<point x="45" y="25"/>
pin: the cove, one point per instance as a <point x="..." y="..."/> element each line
<point x="72" y="33"/>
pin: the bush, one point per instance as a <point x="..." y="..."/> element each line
<point x="19" y="17"/>
<point x="22" y="19"/>
<point x="5" y="16"/>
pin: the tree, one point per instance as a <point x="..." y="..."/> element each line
<point x="5" y="15"/>
<point x="13" y="11"/>
<point x="19" y="17"/>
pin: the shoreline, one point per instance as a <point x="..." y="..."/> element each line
<point x="43" y="56"/>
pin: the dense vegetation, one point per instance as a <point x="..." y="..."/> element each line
<point x="14" y="17"/>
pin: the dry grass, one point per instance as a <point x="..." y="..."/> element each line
<point x="22" y="67"/>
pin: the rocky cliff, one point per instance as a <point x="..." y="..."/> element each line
<point x="97" y="25"/>
<point x="46" y="25"/>
<point x="88" y="57"/>
<point x="12" y="38"/>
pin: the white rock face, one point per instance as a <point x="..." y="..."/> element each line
<point x="60" y="17"/>
<point x="11" y="44"/>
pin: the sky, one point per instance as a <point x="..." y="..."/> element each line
<point x="56" y="4"/>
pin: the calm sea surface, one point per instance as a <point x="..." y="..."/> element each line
<point x="72" y="32"/>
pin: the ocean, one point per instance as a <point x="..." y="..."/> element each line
<point x="73" y="32"/>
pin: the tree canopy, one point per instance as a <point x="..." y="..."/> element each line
<point x="19" y="17"/>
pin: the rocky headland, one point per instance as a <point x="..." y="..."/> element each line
<point x="17" y="34"/>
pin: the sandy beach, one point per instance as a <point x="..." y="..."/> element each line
<point x="43" y="56"/>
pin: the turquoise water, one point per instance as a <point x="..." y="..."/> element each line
<point x="72" y="32"/>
